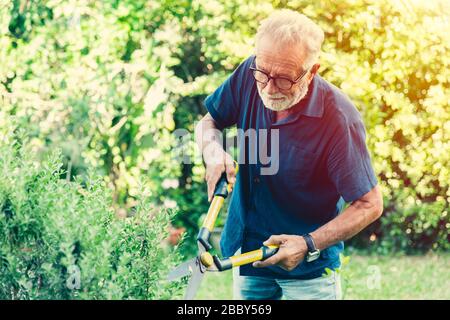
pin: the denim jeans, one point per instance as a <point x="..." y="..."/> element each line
<point x="263" y="288"/>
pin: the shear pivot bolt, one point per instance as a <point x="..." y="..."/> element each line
<point x="206" y="259"/>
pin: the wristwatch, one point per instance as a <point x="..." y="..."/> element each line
<point x="313" y="252"/>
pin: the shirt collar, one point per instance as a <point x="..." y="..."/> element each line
<point x="313" y="104"/>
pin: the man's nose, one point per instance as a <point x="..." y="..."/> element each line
<point x="271" y="88"/>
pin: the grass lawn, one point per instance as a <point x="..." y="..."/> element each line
<point x="400" y="277"/>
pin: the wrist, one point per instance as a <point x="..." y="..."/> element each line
<point x="213" y="152"/>
<point x="313" y="253"/>
<point x="302" y="246"/>
<point x="315" y="238"/>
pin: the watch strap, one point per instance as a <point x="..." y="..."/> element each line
<point x="310" y="242"/>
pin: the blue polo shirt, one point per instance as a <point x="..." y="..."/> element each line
<point x="323" y="162"/>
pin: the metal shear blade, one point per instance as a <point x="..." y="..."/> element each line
<point x="183" y="270"/>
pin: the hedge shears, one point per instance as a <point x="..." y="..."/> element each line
<point x="205" y="261"/>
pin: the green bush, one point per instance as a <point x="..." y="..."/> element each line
<point x="94" y="79"/>
<point x="389" y="58"/>
<point x="62" y="240"/>
<point x="108" y="82"/>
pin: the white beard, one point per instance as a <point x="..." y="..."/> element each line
<point x="280" y="105"/>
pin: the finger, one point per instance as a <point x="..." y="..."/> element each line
<point x="210" y="188"/>
<point x="275" y="240"/>
<point x="269" y="261"/>
<point x="231" y="172"/>
<point x="209" y="192"/>
<point x="212" y="184"/>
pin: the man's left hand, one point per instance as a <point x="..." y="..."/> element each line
<point x="292" y="251"/>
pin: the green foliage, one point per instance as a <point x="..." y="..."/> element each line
<point x="99" y="76"/>
<point x="108" y="83"/>
<point x="389" y="58"/>
<point x="62" y="240"/>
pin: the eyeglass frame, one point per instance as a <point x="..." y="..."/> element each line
<point x="274" y="78"/>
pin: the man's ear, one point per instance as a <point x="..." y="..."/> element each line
<point x="313" y="71"/>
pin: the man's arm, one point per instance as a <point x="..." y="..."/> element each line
<point x="208" y="138"/>
<point x="206" y="132"/>
<point x="351" y="221"/>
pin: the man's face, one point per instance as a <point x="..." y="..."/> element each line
<point x="281" y="61"/>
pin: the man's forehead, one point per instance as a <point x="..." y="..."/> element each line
<point x="276" y="58"/>
<point x="278" y="66"/>
<point x="277" y="62"/>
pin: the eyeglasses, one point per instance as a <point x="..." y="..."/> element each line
<point x="281" y="82"/>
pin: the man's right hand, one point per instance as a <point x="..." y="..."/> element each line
<point x="217" y="161"/>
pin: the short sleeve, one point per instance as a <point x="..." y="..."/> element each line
<point x="349" y="166"/>
<point x="225" y="102"/>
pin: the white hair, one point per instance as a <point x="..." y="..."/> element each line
<point x="290" y="27"/>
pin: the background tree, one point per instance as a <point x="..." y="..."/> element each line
<point x="108" y="82"/>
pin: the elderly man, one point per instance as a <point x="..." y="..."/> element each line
<point x="322" y="163"/>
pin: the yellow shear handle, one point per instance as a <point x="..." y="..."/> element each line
<point x="213" y="212"/>
<point x="223" y="188"/>
<point x="239" y="260"/>
<point x="255" y="255"/>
